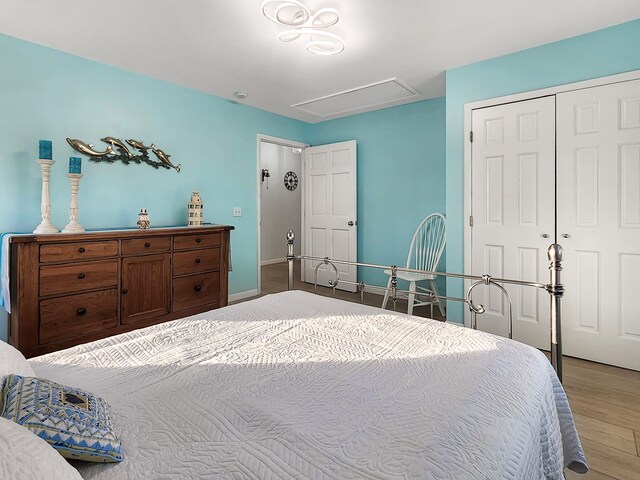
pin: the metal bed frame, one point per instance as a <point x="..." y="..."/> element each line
<point x="554" y="288"/>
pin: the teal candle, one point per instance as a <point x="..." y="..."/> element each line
<point x="45" y="150"/>
<point x="75" y="165"/>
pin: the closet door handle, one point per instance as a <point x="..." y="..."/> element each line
<point x="545" y="235"/>
<point x="565" y="235"/>
<point x="125" y="291"/>
<point x="351" y="223"/>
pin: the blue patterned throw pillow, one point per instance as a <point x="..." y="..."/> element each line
<point x="74" y="422"/>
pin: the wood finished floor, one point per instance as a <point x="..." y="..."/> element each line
<point x="605" y="400"/>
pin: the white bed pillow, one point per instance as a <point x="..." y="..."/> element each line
<point x="27" y="457"/>
<point x="12" y="361"/>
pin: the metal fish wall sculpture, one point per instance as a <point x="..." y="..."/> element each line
<point x="138" y="145"/>
<point x="87" y="148"/>
<point x="119" y="145"/>
<point x="164" y="158"/>
<point x="118" y="150"/>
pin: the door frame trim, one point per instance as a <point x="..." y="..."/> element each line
<point x="285" y="143"/>
<point x="517" y="97"/>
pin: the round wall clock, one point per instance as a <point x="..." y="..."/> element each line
<point x="290" y="180"/>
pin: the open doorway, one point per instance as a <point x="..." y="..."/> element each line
<point x="280" y="179"/>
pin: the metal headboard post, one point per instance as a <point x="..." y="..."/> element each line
<point x="290" y="257"/>
<point x="556" y="291"/>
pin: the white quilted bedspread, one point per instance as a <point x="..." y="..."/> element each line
<point x="297" y="386"/>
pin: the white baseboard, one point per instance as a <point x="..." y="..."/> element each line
<point x="272" y="262"/>
<point x="234" y="297"/>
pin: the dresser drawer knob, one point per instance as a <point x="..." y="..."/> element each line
<point x="197" y="288"/>
<point x="82" y="311"/>
<point x="125" y="291"/>
<point x="82" y="249"/>
<point x="147" y="245"/>
<point x="198" y="260"/>
<point x="198" y="240"/>
<point x="81" y="276"/>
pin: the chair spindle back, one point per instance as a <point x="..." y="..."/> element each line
<point x="428" y="243"/>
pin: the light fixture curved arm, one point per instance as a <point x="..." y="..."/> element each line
<point x="305" y="22"/>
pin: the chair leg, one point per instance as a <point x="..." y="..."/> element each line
<point x="440" y="304"/>
<point x="386" y="294"/>
<point x="412" y="296"/>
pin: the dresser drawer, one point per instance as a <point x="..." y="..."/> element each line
<point x="184" y="242"/>
<point x="196" y="261"/>
<point x="63" y="252"/>
<point x="76" y="315"/>
<point x="146" y="245"/>
<point x="77" y="277"/>
<point x="196" y="290"/>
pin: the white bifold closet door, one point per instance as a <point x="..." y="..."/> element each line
<point x="599" y="222"/>
<point x="512" y="191"/>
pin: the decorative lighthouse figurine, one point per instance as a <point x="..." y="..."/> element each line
<point x="75" y="169"/>
<point x="195" y="211"/>
<point x="45" y="161"/>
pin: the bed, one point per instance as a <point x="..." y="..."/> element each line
<point x="297" y="386"/>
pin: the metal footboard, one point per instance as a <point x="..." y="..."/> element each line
<point x="554" y="288"/>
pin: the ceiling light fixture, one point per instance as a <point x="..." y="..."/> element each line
<point x="241" y="95"/>
<point x="302" y="21"/>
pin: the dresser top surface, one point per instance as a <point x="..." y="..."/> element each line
<point x="121" y="233"/>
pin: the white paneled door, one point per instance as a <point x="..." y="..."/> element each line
<point x="599" y="222"/>
<point x="330" y="211"/>
<point x="513" y="219"/>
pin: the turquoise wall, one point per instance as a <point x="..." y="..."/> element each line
<point x="47" y="94"/>
<point x="401" y="171"/>
<point x="604" y="52"/>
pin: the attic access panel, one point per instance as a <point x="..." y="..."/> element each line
<point x="372" y="95"/>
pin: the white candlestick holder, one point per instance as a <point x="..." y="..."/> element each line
<point x="73" y="226"/>
<point x="45" y="204"/>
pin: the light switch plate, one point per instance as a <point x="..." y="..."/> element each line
<point x="237" y="211"/>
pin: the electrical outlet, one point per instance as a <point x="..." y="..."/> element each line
<point x="237" y="211"/>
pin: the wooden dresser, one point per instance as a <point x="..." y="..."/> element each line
<point x="72" y="289"/>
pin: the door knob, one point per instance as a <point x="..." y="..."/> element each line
<point x="565" y="235"/>
<point x="351" y="223"/>
<point x="545" y="235"/>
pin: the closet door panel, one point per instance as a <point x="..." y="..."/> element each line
<point x="512" y="177"/>
<point x="598" y="132"/>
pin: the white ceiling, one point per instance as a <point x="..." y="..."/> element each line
<point x="221" y="46"/>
